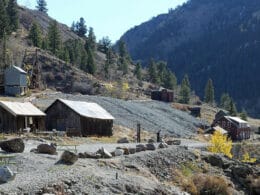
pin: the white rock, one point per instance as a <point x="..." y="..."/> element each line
<point x="6" y="174"/>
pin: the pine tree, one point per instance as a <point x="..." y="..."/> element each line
<point x="138" y="71"/>
<point x="105" y="44"/>
<point x="3" y="20"/>
<point x="123" y="55"/>
<point x="243" y="115"/>
<point x="73" y="27"/>
<point x="225" y="101"/>
<point x="170" y="80"/>
<point x="35" y="35"/>
<point x="91" y="41"/>
<point x="84" y="61"/>
<point x="233" y="109"/>
<point x="185" y="90"/>
<point x="54" y="38"/>
<point x="12" y="12"/>
<point x="209" y="92"/>
<point x="81" y="28"/>
<point x="42" y="6"/>
<point x="91" y="66"/>
<point x="152" y="71"/>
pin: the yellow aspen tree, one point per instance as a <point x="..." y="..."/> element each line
<point x="220" y="143"/>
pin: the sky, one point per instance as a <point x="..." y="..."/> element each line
<point x="110" y="18"/>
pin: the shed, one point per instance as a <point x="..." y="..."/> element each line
<point x="17" y="116"/>
<point x="237" y="128"/>
<point x="15" y="81"/>
<point x="195" y="111"/>
<point x="78" y="116"/>
<point x="211" y="130"/>
<point x="164" y="95"/>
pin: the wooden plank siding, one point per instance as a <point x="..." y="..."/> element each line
<point x="61" y="117"/>
<point x="234" y="131"/>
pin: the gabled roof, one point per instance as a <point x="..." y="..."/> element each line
<point x="87" y="109"/>
<point x="21" y="109"/>
<point x="236" y="119"/>
<point x="18" y="69"/>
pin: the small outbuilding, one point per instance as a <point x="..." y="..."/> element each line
<point x="17" y="116"/>
<point x="164" y="95"/>
<point x="78" y="116"/>
<point x="15" y="81"/>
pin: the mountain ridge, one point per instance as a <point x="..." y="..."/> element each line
<point x="206" y="39"/>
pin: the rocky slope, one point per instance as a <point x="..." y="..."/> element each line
<point x="206" y="39"/>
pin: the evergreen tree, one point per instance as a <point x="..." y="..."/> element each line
<point x="35" y="35"/>
<point x="152" y="71"/>
<point x="81" y="28"/>
<point x="42" y="6"/>
<point x="243" y="115"/>
<point x="170" y="80"/>
<point x="123" y="55"/>
<point x="3" y="20"/>
<point x="233" y="109"/>
<point x="91" y="41"/>
<point x="138" y="71"/>
<point x="105" y="44"/>
<point x="91" y="66"/>
<point x="185" y="90"/>
<point x="54" y="38"/>
<point x="73" y="27"/>
<point x="209" y="92"/>
<point x="12" y="12"/>
<point x="84" y="61"/>
<point x="225" y="101"/>
<point x="44" y="44"/>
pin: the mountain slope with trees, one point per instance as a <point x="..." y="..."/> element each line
<point x="207" y="39"/>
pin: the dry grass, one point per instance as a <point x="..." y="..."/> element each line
<point x="121" y="132"/>
<point x="182" y="107"/>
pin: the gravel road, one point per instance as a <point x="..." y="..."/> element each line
<point x="153" y="115"/>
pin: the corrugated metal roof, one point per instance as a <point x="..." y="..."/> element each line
<point x="21" y="109"/>
<point x="236" y="119"/>
<point x="19" y="69"/>
<point x="87" y="109"/>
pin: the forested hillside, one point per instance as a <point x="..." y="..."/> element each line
<point x="215" y="39"/>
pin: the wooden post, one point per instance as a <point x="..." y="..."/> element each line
<point x="138" y="134"/>
<point x="158" y="136"/>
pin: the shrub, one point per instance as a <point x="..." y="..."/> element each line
<point x="211" y="185"/>
<point x="220" y="144"/>
<point x="248" y="159"/>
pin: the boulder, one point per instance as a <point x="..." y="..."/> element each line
<point x="174" y="142"/>
<point x="132" y="150"/>
<point x="46" y="149"/>
<point x="104" y="153"/>
<point x="126" y="150"/>
<point x="151" y="141"/>
<point x="140" y="148"/>
<point x="6" y="174"/>
<point x="13" y="145"/>
<point x="150" y="147"/>
<point x="241" y="171"/>
<point x="214" y="160"/>
<point x="163" y="145"/>
<point x="123" y="140"/>
<point x="119" y="152"/>
<point x="68" y="157"/>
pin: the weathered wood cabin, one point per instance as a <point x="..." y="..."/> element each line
<point x="237" y="128"/>
<point x="76" y="116"/>
<point x="162" y="95"/>
<point x="15" y="81"/>
<point x="17" y="116"/>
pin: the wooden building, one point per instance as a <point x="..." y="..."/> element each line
<point x="237" y="128"/>
<point x="15" y="81"/>
<point x="79" y="117"/>
<point x="17" y="116"/>
<point x="162" y="95"/>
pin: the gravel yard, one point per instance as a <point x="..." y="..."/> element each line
<point x="153" y="115"/>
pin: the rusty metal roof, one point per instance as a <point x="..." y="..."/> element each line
<point x="21" y="109"/>
<point x="88" y="109"/>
